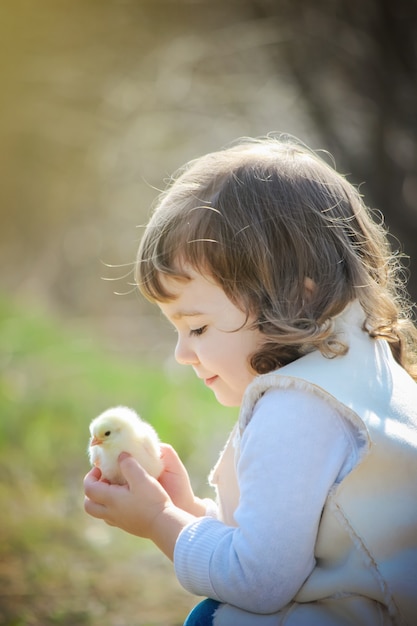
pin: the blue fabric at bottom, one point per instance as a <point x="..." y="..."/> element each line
<point x="202" y="614"/>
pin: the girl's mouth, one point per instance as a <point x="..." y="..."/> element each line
<point x="210" y="381"/>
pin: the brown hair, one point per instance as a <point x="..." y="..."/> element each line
<point x="260" y="217"/>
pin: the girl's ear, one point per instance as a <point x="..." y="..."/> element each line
<point x="310" y="287"/>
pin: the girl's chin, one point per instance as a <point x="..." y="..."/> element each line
<point x="227" y="399"/>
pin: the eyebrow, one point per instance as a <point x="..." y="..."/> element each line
<point x="180" y="314"/>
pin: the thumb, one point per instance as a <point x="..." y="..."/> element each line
<point x="130" y="468"/>
<point x="123" y="456"/>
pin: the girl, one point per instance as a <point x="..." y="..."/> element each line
<point x="287" y="302"/>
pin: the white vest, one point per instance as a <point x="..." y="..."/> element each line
<point x="366" y="546"/>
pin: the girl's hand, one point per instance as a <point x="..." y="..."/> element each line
<point x="176" y="482"/>
<point x="142" y="507"/>
<point x="131" y="507"/>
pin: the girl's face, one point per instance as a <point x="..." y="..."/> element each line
<point x="214" y="336"/>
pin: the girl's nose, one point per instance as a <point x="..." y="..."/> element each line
<point x="184" y="354"/>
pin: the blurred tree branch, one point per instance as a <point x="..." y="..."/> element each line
<point x="355" y="65"/>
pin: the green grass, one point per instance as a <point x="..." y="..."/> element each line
<point x="57" y="565"/>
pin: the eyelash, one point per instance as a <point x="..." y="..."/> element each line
<point x="197" y="332"/>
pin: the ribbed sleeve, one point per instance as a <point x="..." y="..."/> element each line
<point x="193" y="553"/>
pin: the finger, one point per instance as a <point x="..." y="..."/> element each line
<point x="131" y="469"/>
<point x="166" y="448"/>
<point x="170" y="458"/>
<point x="95" y="489"/>
<point x="94" y="508"/>
<point x="93" y="475"/>
<point x="168" y="452"/>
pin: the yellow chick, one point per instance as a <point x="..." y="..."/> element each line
<point x="118" y="430"/>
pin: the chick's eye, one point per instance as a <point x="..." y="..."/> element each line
<point x="107" y="433"/>
<point x="196" y="332"/>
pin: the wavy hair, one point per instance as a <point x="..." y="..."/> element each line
<point x="260" y="217"/>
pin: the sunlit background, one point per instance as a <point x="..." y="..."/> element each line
<point x="100" y="101"/>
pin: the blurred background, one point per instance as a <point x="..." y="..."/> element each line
<point x="100" y="101"/>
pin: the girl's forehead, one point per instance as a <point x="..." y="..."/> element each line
<point x="199" y="295"/>
<point x="187" y="279"/>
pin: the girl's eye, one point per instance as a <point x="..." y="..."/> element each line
<point x="196" y="332"/>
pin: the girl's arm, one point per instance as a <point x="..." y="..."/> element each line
<point x="293" y="450"/>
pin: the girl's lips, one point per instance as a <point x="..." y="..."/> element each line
<point x="210" y="381"/>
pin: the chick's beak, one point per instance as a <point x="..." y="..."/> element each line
<point x="95" y="441"/>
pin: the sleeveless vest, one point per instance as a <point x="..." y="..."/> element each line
<point x="366" y="548"/>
